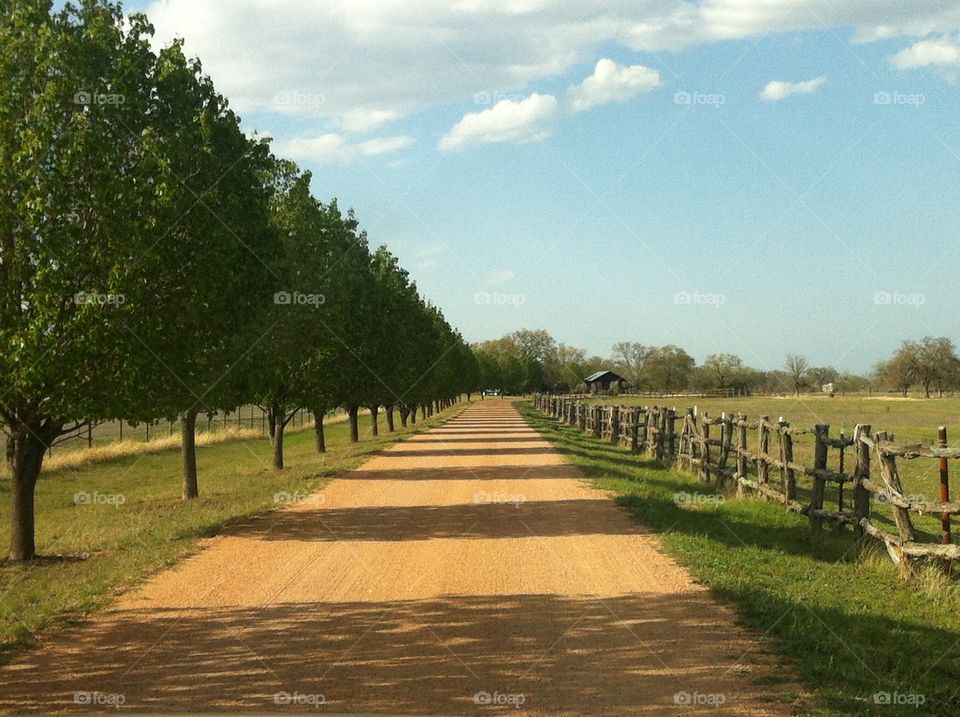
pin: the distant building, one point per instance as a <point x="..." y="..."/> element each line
<point x="601" y="381"/>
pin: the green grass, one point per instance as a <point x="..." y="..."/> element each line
<point x="911" y="421"/>
<point x="103" y="548"/>
<point x="845" y="624"/>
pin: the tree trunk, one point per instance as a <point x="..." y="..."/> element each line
<point x="279" y="421"/>
<point x="188" y="454"/>
<point x="318" y="431"/>
<point x="404" y="414"/>
<point x="26" y="446"/>
<point x="423" y="412"/>
<point x="272" y="420"/>
<point x="413" y="415"/>
<point x="353" y="411"/>
<point x="388" y="410"/>
<point x="375" y="420"/>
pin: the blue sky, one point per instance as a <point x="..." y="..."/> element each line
<point x="670" y="199"/>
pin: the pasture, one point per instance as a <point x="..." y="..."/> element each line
<point x="910" y="420"/>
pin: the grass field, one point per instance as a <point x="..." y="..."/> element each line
<point x="844" y="624"/>
<point x="912" y="420"/>
<point x="106" y="525"/>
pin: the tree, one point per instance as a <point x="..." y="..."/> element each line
<point x="214" y="207"/>
<point x="94" y="298"/>
<point x="670" y="368"/>
<point x="936" y="363"/>
<point x="796" y="368"/>
<point x="723" y="369"/>
<point x="900" y="371"/>
<point x="632" y="359"/>
<point x="325" y="284"/>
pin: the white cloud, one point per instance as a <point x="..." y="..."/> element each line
<point x="611" y="82"/>
<point x="528" y="120"/>
<point x="938" y="53"/>
<point x="502" y="276"/>
<point x="358" y="64"/>
<point x="778" y="90"/>
<point x="335" y="148"/>
<point x="364" y="120"/>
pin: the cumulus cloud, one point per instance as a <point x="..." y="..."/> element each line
<point x="778" y="90"/>
<point x="361" y="64"/>
<point x="938" y="53"/>
<point x="611" y="82"/>
<point x="335" y="148"/>
<point x="528" y="120"/>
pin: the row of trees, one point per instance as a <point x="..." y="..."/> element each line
<point x="156" y="262"/>
<point x="531" y="360"/>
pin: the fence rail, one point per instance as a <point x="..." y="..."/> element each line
<point x="719" y="450"/>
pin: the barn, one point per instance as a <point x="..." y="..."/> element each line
<point x="601" y="381"/>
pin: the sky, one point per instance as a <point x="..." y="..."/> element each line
<point x="745" y="176"/>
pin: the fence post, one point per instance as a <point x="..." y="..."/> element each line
<point x="615" y="425"/>
<point x="861" y="496"/>
<point x="705" y="449"/>
<point x="763" y="450"/>
<point x="661" y="428"/>
<point x="671" y="429"/>
<point x="944" y="487"/>
<point x="787" y="476"/>
<point x="891" y="477"/>
<point x="741" y="451"/>
<point x="645" y="441"/>
<point x="598" y="422"/>
<point x="819" y="482"/>
<point x="726" y="438"/>
<point x="635" y="430"/>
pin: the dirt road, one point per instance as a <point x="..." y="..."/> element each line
<point x="467" y="570"/>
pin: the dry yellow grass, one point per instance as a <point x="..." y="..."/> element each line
<point x="122" y="449"/>
<point x="80" y="457"/>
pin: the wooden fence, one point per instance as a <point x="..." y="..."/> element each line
<point x="855" y="473"/>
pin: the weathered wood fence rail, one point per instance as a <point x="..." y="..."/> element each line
<point x="719" y="451"/>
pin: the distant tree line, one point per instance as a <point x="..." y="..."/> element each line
<point x="156" y="262"/>
<point x="531" y="360"/>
